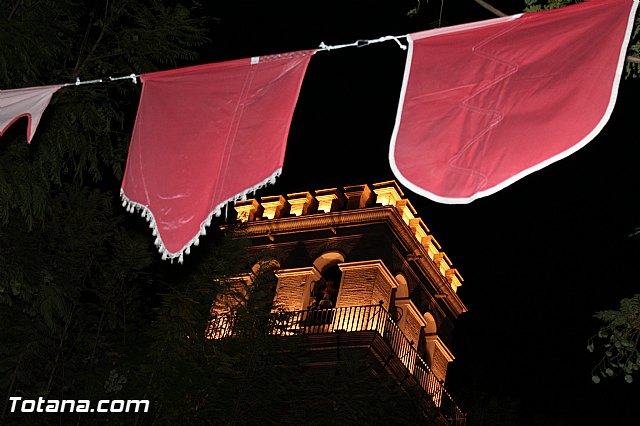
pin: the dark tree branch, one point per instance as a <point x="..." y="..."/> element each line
<point x="490" y="8"/>
<point x="79" y="67"/>
<point x="82" y="46"/>
<point x="63" y="337"/>
<point x="13" y="10"/>
<point x="13" y="380"/>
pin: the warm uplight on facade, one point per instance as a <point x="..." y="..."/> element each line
<point x="272" y="206"/>
<point x="243" y="212"/>
<point x="419" y="229"/>
<point x="431" y="244"/>
<point x="247" y="210"/>
<point x="387" y="195"/>
<point x="442" y="262"/>
<point x="331" y="283"/>
<point x="325" y="201"/>
<point x="329" y="200"/>
<point x="406" y="210"/>
<point x="300" y="202"/>
<point x="454" y="279"/>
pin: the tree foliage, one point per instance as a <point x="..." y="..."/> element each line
<point x="261" y="378"/>
<point x="85" y="132"/>
<point x="618" y="339"/>
<point x="82" y="290"/>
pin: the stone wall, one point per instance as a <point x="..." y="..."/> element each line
<point x="294" y="288"/>
<point x="365" y="283"/>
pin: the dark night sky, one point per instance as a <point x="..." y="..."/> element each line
<point x="538" y="258"/>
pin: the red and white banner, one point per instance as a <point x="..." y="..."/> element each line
<point x="206" y="135"/>
<point x="485" y="104"/>
<point x="29" y="102"/>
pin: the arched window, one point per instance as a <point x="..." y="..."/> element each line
<point x="402" y="291"/>
<point x="324" y="293"/>
<point x="429" y="336"/>
<point x="327" y="259"/>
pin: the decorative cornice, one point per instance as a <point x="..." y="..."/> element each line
<point x="406" y="302"/>
<point x="307" y="270"/>
<point x="442" y="348"/>
<point x="322" y="212"/>
<point x="366" y="264"/>
<point x="371" y="215"/>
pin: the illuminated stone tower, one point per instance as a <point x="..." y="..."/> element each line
<point x="359" y="261"/>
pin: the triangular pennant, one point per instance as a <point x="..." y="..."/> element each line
<point x="30" y="102"/>
<point x="206" y="135"/>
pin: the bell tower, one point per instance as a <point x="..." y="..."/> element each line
<point x="359" y="261"/>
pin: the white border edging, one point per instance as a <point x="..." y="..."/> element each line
<point x="146" y="213"/>
<point x="580" y="144"/>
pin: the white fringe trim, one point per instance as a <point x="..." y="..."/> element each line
<point x="145" y="212"/>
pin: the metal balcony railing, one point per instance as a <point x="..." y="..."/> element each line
<point x="354" y="318"/>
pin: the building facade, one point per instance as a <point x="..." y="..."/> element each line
<point x="357" y="260"/>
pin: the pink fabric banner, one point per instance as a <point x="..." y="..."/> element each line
<point x="485" y="104"/>
<point x="30" y="102"/>
<point x="206" y="135"/>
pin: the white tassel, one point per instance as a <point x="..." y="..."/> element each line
<point x="133" y="207"/>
